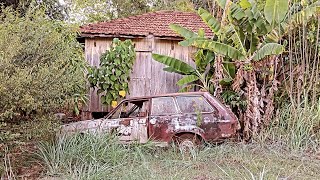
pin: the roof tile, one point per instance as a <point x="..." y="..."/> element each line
<point x="156" y="23"/>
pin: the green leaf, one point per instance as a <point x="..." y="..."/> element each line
<point x="118" y="73"/>
<point x="267" y="50"/>
<point x="226" y="81"/>
<point x="105" y="87"/>
<point x="113" y="77"/>
<point x="170" y="69"/>
<point x="230" y="68"/>
<point x="190" y="41"/>
<point x="220" y="48"/>
<point x="276" y="10"/>
<point x="103" y="99"/>
<point x="245" y="4"/>
<point x="184" y="32"/>
<point x="209" y="20"/>
<point x="176" y="64"/>
<point x="221" y="3"/>
<point x="117" y="61"/>
<point x="201" y="32"/>
<point x="187" y="79"/>
<point x="238" y="39"/>
<point x="184" y="89"/>
<point x="236" y="11"/>
<point x="254" y="42"/>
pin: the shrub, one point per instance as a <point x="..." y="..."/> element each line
<point x="41" y="64"/>
<point x="113" y="74"/>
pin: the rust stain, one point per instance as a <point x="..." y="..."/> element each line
<point x="161" y="118"/>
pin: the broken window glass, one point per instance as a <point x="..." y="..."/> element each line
<point x="131" y="110"/>
<point x="193" y="104"/>
<point x="163" y="106"/>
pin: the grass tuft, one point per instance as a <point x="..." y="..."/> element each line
<point x="102" y="157"/>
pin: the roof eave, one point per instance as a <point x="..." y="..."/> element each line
<point x="93" y="35"/>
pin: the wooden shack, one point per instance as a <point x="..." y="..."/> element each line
<point x="150" y="33"/>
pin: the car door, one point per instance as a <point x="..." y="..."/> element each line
<point x="198" y="115"/>
<point x="163" y="116"/>
<point x="129" y="121"/>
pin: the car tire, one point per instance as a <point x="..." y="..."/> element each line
<point x="187" y="143"/>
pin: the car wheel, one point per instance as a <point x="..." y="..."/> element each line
<point x="187" y="143"/>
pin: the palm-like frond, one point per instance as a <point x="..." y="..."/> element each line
<point x="184" y="32"/>
<point x="174" y="63"/>
<point x="267" y="50"/>
<point x="187" y="79"/>
<point x="219" y="48"/>
<point x="212" y="22"/>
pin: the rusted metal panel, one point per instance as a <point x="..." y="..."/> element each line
<point x="163" y="118"/>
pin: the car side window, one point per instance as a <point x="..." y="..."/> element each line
<point x="163" y="106"/>
<point x="193" y="104"/>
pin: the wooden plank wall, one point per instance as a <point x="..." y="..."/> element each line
<point x="147" y="77"/>
<point x="165" y="82"/>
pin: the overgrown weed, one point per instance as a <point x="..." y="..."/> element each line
<point x="102" y="157"/>
<point x="294" y="129"/>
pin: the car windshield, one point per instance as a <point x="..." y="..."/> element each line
<point x="130" y="109"/>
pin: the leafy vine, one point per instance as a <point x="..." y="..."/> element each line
<point x="113" y="74"/>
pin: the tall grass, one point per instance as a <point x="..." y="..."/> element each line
<point x="6" y="170"/>
<point x="297" y="118"/>
<point x="83" y="156"/>
<point x="102" y="157"/>
<point x="295" y="128"/>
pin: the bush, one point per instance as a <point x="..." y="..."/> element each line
<point x="41" y="65"/>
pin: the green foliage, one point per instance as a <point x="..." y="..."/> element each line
<point x="187" y="79"/>
<point x="101" y="157"/>
<point x="275" y="10"/>
<point x="219" y="48"/>
<point x="234" y="100"/>
<point x="298" y="125"/>
<point x="41" y="65"/>
<point x="267" y="50"/>
<point x="199" y="76"/>
<point x="113" y="73"/>
<point x="176" y="64"/>
<point x="212" y="22"/>
<point x="54" y="9"/>
<point x="184" y="32"/>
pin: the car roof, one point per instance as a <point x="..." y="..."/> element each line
<point x="165" y="95"/>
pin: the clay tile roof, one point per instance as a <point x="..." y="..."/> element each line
<point x="155" y="23"/>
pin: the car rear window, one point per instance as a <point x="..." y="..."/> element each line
<point x="163" y="106"/>
<point x="193" y="104"/>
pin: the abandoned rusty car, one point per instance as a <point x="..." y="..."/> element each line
<point x="192" y="117"/>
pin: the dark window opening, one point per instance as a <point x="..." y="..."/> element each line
<point x="131" y="109"/>
<point x="81" y="40"/>
<point x="98" y="115"/>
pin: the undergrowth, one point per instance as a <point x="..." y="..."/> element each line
<point x="102" y="157"/>
<point x="295" y="128"/>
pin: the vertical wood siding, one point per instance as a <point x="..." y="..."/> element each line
<point x="147" y="77"/>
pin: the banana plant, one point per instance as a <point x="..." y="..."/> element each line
<point x="239" y="38"/>
<point x="235" y="43"/>
<point x="199" y="76"/>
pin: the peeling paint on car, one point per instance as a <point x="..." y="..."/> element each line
<point x="196" y="113"/>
